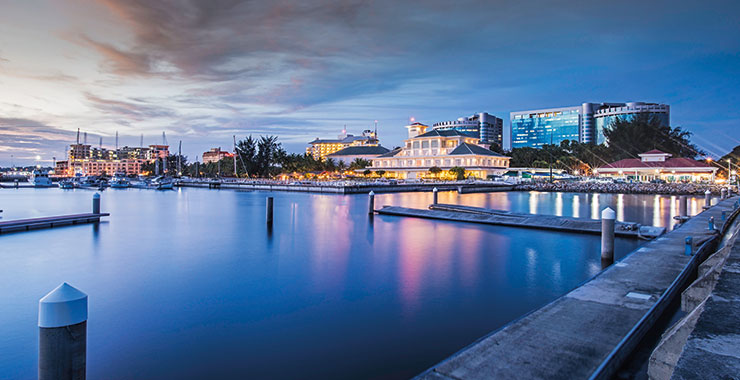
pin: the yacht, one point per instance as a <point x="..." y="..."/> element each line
<point x="162" y="183"/>
<point x="119" y="181"/>
<point x="40" y="179"/>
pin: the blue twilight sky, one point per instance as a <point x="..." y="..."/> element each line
<point x="206" y="70"/>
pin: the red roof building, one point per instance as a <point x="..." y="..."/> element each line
<point x="658" y="165"/>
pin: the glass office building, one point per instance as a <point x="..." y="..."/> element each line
<point x="488" y="128"/>
<point x="548" y="126"/>
<point x="584" y="123"/>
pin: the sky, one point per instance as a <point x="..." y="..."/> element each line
<point x="204" y="71"/>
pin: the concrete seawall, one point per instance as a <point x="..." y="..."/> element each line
<point x="353" y="189"/>
<point x="590" y="331"/>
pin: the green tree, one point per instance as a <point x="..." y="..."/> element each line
<point x="458" y="172"/>
<point x="495" y="147"/>
<point x="628" y="137"/>
<point x="380" y="173"/>
<point x="435" y="170"/>
<point x="360" y="163"/>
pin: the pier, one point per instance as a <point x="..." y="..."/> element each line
<point x="590" y="332"/>
<point x="504" y="218"/>
<point x="49" y="222"/>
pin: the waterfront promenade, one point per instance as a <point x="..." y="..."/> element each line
<point x="590" y="331"/>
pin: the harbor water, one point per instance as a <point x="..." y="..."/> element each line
<point x="192" y="283"/>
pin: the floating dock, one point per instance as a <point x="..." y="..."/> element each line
<point x="590" y="332"/>
<point x="505" y="218"/>
<point x="49" y="222"/>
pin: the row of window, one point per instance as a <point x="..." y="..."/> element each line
<point x="447" y="162"/>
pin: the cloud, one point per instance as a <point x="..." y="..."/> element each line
<point x="25" y="139"/>
<point x="118" y="61"/>
<point x="128" y="110"/>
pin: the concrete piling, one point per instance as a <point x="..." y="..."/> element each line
<point x="63" y="334"/>
<point x="711" y="223"/>
<point x="371" y="205"/>
<point x="707" y="199"/>
<point x="723" y="194"/>
<point x="689" y="246"/>
<point x="268" y="210"/>
<point x="608" y="217"/>
<point x="434" y="196"/>
<point x="682" y="207"/>
<point x="96" y="203"/>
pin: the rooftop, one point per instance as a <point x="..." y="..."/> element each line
<point x="360" y="150"/>
<point x="466" y="148"/>
<point x="446" y="133"/>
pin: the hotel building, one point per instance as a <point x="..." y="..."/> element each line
<point x="443" y="148"/>
<point x="584" y="123"/>
<point x="215" y="155"/>
<point x="488" y="128"/>
<point x="86" y="161"/>
<point x="658" y="165"/>
<point x="320" y="148"/>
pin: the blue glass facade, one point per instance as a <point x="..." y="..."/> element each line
<point x="544" y="127"/>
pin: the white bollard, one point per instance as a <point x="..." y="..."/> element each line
<point x="682" y="209"/>
<point x="707" y="199"/>
<point x="723" y="194"/>
<point x="608" y="217"/>
<point x="371" y="206"/>
<point x="63" y="334"/>
<point x="434" y="196"/>
<point x="96" y="203"/>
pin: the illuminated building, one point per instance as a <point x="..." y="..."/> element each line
<point x="85" y="160"/>
<point x="488" y="128"/>
<point x="658" y="165"/>
<point x="444" y="149"/>
<point x="584" y="123"/>
<point x="215" y="155"/>
<point x="351" y="153"/>
<point x="320" y="148"/>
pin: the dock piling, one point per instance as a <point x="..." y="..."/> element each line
<point x="608" y="217"/>
<point x="723" y="194"/>
<point x="707" y="199"/>
<point x="434" y="196"/>
<point x="63" y="334"/>
<point x="96" y="203"/>
<point x="711" y="223"/>
<point x="371" y="206"/>
<point x="269" y="210"/>
<point x="682" y="208"/>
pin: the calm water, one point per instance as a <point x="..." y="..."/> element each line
<point x="191" y="284"/>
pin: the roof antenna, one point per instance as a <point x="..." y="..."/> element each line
<point x="78" y="136"/>
<point x="116" y="140"/>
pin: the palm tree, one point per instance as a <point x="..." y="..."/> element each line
<point x="458" y="172"/>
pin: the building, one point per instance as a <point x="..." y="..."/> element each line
<point x="488" y="128"/>
<point x="440" y="148"/>
<point x="320" y="148"/>
<point x="85" y="160"/>
<point x="351" y="153"/>
<point x="584" y="123"/>
<point x="216" y="155"/>
<point x="655" y="164"/>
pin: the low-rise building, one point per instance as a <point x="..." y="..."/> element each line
<point x="320" y="148"/>
<point x="216" y="155"/>
<point x="655" y="164"/>
<point x="85" y="160"/>
<point x="351" y="153"/>
<point x="443" y="149"/>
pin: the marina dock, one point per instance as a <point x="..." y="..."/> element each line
<point x="505" y="218"/>
<point x="363" y="188"/>
<point x="49" y="222"/>
<point x="590" y="332"/>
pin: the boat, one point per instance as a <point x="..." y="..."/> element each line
<point x="68" y="184"/>
<point x="40" y="179"/>
<point x="161" y="183"/>
<point x="119" y="182"/>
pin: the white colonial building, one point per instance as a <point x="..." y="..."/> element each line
<point x="444" y="149"/>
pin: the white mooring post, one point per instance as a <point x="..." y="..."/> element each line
<point x="63" y="334"/>
<point x="723" y="194"/>
<point x="608" y="217"/>
<point x="434" y="196"/>
<point x="96" y="203"/>
<point x="268" y="210"/>
<point x="707" y="199"/>
<point x="371" y="206"/>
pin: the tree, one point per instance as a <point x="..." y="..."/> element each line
<point x="734" y="157"/>
<point x="380" y="173"/>
<point x="458" y="172"/>
<point x="359" y="163"/>
<point x="495" y="147"/>
<point x="367" y="172"/>
<point x="435" y="170"/>
<point x="628" y="137"/>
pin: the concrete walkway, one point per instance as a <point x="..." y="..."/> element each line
<point x="593" y="328"/>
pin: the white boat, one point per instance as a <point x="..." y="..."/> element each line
<point x="161" y="183"/>
<point x="68" y="184"/>
<point x="119" y="182"/>
<point x="40" y="179"/>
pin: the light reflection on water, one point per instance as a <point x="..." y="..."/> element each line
<point x="192" y="284"/>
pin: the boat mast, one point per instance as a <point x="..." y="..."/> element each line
<point x="235" y="171"/>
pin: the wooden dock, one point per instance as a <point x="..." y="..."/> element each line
<point x="511" y="219"/>
<point x="49" y="222"/>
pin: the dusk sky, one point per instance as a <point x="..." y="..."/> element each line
<point x="203" y="71"/>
